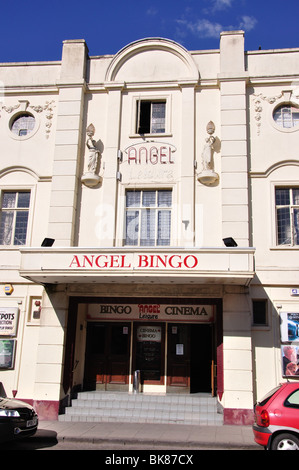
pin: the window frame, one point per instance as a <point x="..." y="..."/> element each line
<point x="155" y="208"/>
<point x="19" y="189"/>
<point x="292" y="207"/>
<point x="11" y="119"/>
<point x="153" y="99"/>
<point x="26" y="126"/>
<point x="292" y="107"/>
<point x="280" y="104"/>
<point x="265" y="303"/>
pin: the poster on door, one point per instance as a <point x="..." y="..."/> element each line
<point x="7" y="353"/>
<point x="290" y="360"/>
<point x="289" y="327"/>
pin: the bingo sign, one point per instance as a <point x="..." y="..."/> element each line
<point x="8" y="321"/>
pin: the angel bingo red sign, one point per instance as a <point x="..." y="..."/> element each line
<point x="134" y="261"/>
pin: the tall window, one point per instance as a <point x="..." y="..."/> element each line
<point x="14" y="217"/>
<point x="287" y="216"/>
<point x="150" y="117"/>
<point x="259" y="310"/>
<point x="148" y="218"/>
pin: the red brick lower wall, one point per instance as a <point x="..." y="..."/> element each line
<point x="238" y="416"/>
<point x="46" y="410"/>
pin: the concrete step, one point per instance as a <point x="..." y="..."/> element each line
<point x="200" y="409"/>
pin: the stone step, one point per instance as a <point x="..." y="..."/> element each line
<point x="200" y="409"/>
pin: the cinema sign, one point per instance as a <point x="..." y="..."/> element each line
<point x="153" y="312"/>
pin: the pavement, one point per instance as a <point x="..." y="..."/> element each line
<point x="164" y="436"/>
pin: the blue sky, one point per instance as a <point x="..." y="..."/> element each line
<point x="34" y="30"/>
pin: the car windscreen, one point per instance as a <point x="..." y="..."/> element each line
<point x="267" y="397"/>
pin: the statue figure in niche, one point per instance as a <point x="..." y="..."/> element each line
<point x="91" y="178"/>
<point x="93" y="151"/>
<point x="208" y="176"/>
<point x="207" y="154"/>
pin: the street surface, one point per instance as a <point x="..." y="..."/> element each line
<point x="40" y="443"/>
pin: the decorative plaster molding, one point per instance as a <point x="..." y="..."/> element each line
<point x="258" y="108"/>
<point x="23" y="105"/>
<point x="48" y="107"/>
<point x="286" y="96"/>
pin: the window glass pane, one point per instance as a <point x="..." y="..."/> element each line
<point x="133" y="198"/>
<point x="282" y="196"/>
<point x="21" y="228"/>
<point x="164" y="221"/>
<point x="149" y="198"/>
<point x="23" y="124"/>
<point x="147" y="233"/>
<point x="6" y="227"/>
<point x="146" y="225"/>
<point x="158" y="117"/>
<point x="9" y="200"/>
<point x="164" y="198"/>
<point x="296" y="196"/>
<point x="24" y="199"/>
<point x="296" y="226"/>
<point x="286" y="116"/>
<point x="293" y="400"/>
<point x="132" y="227"/>
<point x="283" y="226"/>
<point x="13" y="225"/>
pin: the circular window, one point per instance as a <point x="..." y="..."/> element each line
<point x="23" y="124"/>
<point x="286" y="116"/>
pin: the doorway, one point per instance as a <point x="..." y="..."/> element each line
<point x="189" y="358"/>
<point x="107" y="356"/>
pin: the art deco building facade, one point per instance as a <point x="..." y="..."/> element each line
<point x="149" y="221"/>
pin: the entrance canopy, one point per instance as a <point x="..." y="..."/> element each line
<point x="50" y="265"/>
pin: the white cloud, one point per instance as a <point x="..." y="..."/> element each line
<point x="217" y="5"/>
<point x="221" y="4"/>
<point x="247" y="23"/>
<point x="205" y="28"/>
<point x="152" y="11"/>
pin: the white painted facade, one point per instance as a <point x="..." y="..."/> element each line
<point x="83" y="208"/>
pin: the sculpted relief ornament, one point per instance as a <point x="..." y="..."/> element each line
<point x="25" y="106"/>
<point x="91" y="178"/>
<point x="208" y="176"/>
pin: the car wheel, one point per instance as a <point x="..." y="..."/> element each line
<point x="285" y="441"/>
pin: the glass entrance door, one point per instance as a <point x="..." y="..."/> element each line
<point x="149" y="352"/>
<point x="107" y="356"/>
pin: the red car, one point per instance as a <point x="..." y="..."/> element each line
<point x="276" y="424"/>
